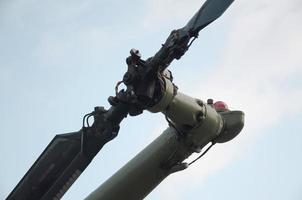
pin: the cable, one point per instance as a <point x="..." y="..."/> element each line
<point x="86" y="118"/>
<point x="202" y="154"/>
<point x="191" y="42"/>
<point x="179" y="133"/>
<point x="116" y="87"/>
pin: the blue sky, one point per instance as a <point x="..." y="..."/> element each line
<point x="59" y="59"/>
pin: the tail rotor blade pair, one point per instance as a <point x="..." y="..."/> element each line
<point x="67" y="155"/>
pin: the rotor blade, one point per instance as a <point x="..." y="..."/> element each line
<point x="179" y="40"/>
<point x="210" y="11"/>
<point x="67" y="156"/>
<point x="55" y="170"/>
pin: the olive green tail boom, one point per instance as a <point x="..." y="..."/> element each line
<point x="141" y="174"/>
<point x="166" y="154"/>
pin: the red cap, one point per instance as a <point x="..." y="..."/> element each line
<point x="220" y="106"/>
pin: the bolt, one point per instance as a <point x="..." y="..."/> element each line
<point x="210" y="101"/>
<point x="100" y="109"/>
<point x="199" y="116"/>
<point x="199" y="102"/>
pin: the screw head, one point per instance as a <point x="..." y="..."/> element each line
<point x="210" y="101"/>
<point x="199" y="102"/>
<point x="200" y="116"/>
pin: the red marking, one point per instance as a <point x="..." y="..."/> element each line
<point x="220" y="106"/>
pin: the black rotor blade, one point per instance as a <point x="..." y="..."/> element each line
<point x="210" y="11"/>
<point x="179" y="40"/>
<point x="67" y="156"/>
<point x="60" y="164"/>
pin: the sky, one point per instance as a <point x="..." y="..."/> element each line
<point x="59" y="59"/>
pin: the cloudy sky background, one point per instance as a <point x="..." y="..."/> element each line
<point x="59" y="59"/>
